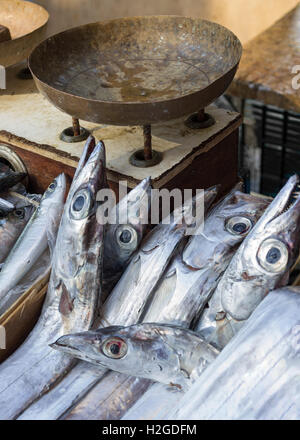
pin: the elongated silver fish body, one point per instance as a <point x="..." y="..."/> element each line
<point x="33" y="241"/>
<point x="202" y="264"/>
<point x="40" y="269"/>
<point x="164" y="353"/>
<point x="123" y="307"/>
<point x="78" y="256"/>
<point x="122" y="239"/>
<point x="130" y="296"/>
<point x="73" y="294"/>
<point x="154" y="404"/>
<point x="181" y="293"/>
<point x="257" y="374"/>
<point x="261" y="264"/>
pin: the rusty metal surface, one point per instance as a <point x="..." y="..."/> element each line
<point x="136" y="71"/>
<point x="26" y="23"/>
<point x="265" y="73"/>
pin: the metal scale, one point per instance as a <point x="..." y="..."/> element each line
<point x="144" y="86"/>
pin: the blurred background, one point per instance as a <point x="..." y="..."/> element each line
<point x="246" y="18"/>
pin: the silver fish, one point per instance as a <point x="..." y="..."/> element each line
<point x="40" y="269"/>
<point x="182" y="292"/>
<point x="164" y="353"/>
<point x="11" y="227"/>
<point x="154" y="404"/>
<point x="261" y="264"/>
<point x="257" y="374"/>
<point x="192" y="274"/>
<point x="122" y="240"/>
<point x="15" y="200"/>
<point x="33" y="240"/>
<point x="130" y="296"/>
<point x="123" y="307"/>
<point x="202" y="264"/>
<point x="72" y="298"/>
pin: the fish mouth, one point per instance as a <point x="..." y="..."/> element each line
<point x="71" y="351"/>
<point x="61" y="180"/>
<point x="79" y="346"/>
<point x="294" y="197"/>
<point x="92" y="150"/>
<point x="87" y="151"/>
<point x="71" y="344"/>
<point x="129" y="206"/>
<point x="287" y="200"/>
<point x="76" y="343"/>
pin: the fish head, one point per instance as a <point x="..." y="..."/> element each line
<point x="11" y="226"/>
<point x="123" y="238"/>
<point x="20" y="215"/>
<point x="87" y="151"/>
<point x="138" y="350"/>
<point x="265" y="257"/>
<point x="225" y="228"/>
<point x="54" y="194"/>
<point x="77" y="269"/>
<point x="81" y="205"/>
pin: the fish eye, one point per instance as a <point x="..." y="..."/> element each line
<point x="114" y="348"/>
<point x="2" y="214"/>
<point x="81" y="204"/>
<point x="52" y="186"/>
<point x="78" y="203"/>
<point x="19" y="213"/>
<point x="238" y="225"/>
<point x="273" y="255"/>
<point x="126" y="236"/>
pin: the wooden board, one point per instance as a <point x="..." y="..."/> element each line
<point x="201" y="168"/>
<point x="42" y="167"/>
<point x="21" y="317"/>
<point x="265" y="71"/>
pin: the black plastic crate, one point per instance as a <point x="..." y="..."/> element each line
<point x="278" y="133"/>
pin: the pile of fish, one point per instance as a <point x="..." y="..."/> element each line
<point x="159" y="324"/>
<point x="17" y="211"/>
<point x="24" y="253"/>
<point x="16" y="208"/>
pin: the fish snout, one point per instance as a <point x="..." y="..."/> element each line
<point x="61" y="180"/>
<point x="75" y="343"/>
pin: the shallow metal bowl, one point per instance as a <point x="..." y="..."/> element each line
<point x="136" y="71"/>
<point x="27" y="23"/>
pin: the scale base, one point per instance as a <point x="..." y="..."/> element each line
<point x="137" y="159"/>
<point x="67" y="135"/>
<point x="195" y="123"/>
